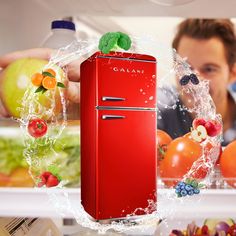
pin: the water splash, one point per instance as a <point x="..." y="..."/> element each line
<point x="201" y="105"/>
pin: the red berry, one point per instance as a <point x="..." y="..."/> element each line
<point x="213" y="128"/>
<point x="52" y="181"/>
<point x="46" y="174"/>
<point x="205" y="229"/>
<point x="198" y="121"/>
<point x="42" y="182"/>
<point x="232" y="230"/>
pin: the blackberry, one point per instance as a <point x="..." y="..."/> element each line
<point x="184" y="80"/>
<point x="194" y="79"/>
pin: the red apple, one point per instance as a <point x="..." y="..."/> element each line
<point x="198" y="121"/>
<point x="213" y="128"/>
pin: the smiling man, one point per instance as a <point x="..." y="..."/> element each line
<point x="210" y="48"/>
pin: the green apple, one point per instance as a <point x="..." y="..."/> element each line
<point x="14" y="81"/>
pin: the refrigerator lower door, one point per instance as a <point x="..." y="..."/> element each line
<point x="126" y="162"/>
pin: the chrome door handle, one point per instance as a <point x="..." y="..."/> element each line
<point x="104" y="98"/>
<point x="111" y="117"/>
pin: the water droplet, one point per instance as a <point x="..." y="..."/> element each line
<point x="141" y="90"/>
<point x="151" y="98"/>
<point x="144" y="93"/>
<point x="146" y="101"/>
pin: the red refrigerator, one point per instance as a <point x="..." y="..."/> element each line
<point x="118" y="134"/>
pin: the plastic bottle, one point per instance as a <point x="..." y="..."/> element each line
<point x="62" y="33"/>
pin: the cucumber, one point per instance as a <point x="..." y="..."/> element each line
<point x="211" y="223"/>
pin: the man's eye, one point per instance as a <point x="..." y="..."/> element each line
<point x="209" y="69"/>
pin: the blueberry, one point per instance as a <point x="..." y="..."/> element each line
<point x="181" y="184"/>
<point x="177" y="187"/>
<point x="188" y="187"/>
<point x="182" y="187"/>
<point x="194" y="79"/>
<point x="196" y="191"/>
<point x="184" y="193"/>
<point x="177" y="191"/>
<point x="184" y="80"/>
<point x="190" y="193"/>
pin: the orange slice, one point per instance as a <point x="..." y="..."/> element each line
<point x="51" y="71"/>
<point x="49" y="82"/>
<point x="37" y="79"/>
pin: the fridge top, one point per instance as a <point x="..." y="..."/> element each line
<point x="125" y="56"/>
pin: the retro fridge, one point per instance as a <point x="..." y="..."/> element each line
<point x="118" y="134"/>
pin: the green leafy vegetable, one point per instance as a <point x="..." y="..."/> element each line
<point x="112" y="40"/>
<point x="124" y="41"/>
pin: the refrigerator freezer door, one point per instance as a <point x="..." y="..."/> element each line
<point x="126" y="162"/>
<point x="125" y="82"/>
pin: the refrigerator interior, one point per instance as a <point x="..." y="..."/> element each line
<point x="29" y="23"/>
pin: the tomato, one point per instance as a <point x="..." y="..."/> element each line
<point x="4" y="179"/>
<point x="228" y="163"/>
<point x="37" y="127"/>
<point x="163" y="139"/>
<point x="179" y="158"/>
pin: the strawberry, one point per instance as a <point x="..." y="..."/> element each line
<point x="48" y="179"/>
<point x="42" y="182"/>
<point x="52" y="181"/>
<point x="46" y="174"/>
<point x="213" y="128"/>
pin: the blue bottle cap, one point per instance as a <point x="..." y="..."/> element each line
<point x="62" y="24"/>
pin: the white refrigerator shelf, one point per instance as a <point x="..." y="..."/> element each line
<point x="37" y="202"/>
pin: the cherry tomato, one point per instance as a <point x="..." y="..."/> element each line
<point x="179" y="158"/>
<point x="37" y="127"/>
<point x="228" y="163"/>
<point x="163" y="139"/>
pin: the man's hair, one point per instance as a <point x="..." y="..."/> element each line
<point x="222" y="29"/>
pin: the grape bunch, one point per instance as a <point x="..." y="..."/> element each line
<point x="189" y="187"/>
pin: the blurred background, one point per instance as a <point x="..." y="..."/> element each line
<point x="26" y="23"/>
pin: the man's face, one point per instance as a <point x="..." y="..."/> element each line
<point x="207" y="56"/>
